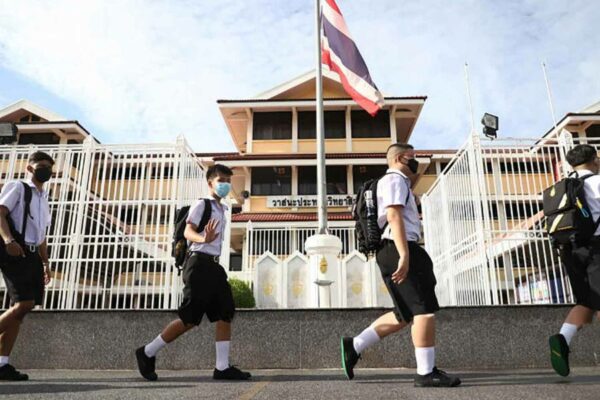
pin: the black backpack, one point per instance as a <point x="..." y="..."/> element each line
<point x="368" y="233"/>
<point x="180" y="244"/>
<point x="19" y="237"/>
<point x="569" y="219"/>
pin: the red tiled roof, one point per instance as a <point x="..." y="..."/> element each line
<point x="232" y="156"/>
<point x="287" y="217"/>
<point x="312" y="156"/>
<point x="223" y="101"/>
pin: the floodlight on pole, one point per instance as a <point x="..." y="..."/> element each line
<point x="490" y="125"/>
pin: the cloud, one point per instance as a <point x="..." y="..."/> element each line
<point x="150" y="70"/>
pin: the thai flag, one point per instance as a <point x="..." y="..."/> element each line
<point x="339" y="53"/>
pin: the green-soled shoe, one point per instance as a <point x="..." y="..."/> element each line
<point x="559" y="354"/>
<point x="349" y="356"/>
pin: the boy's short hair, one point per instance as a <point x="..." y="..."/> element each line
<point x="397" y="148"/>
<point x="217" y="169"/>
<point x="40" y="156"/>
<point x="581" y="154"/>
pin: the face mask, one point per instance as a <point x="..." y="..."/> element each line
<point x="413" y="165"/>
<point x="42" y="174"/>
<point x="222" y="189"/>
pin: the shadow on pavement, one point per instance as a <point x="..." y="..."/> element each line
<point x="46" y="388"/>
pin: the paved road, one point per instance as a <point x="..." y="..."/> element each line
<point x="369" y="384"/>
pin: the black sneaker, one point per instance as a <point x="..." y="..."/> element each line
<point x="559" y="354"/>
<point x="349" y="356"/>
<point x="9" y="373"/>
<point x="231" y="374"/>
<point x="437" y="378"/>
<point x="146" y="364"/>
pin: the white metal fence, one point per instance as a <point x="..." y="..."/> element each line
<point x="285" y="240"/>
<point x="113" y="209"/>
<point x="484" y="224"/>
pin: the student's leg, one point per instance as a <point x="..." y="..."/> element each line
<point x="423" y="336"/>
<point x="222" y="344"/>
<point x="382" y="327"/>
<point x="8" y="337"/>
<point x="576" y="319"/>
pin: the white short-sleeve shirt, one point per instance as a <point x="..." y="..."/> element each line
<point x="591" y="188"/>
<point x="218" y="212"/>
<point x="13" y="198"/>
<point x="394" y="190"/>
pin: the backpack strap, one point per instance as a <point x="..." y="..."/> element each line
<point x="405" y="201"/>
<point x="205" y="215"/>
<point x="27" y="195"/>
<point x="583" y="178"/>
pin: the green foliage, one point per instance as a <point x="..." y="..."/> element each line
<point x="242" y="294"/>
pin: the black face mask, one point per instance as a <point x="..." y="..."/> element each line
<point x="413" y="165"/>
<point x="42" y="174"/>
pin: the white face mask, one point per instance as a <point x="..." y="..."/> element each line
<point x="222" y="189"/>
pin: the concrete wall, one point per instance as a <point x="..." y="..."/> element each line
<point x="468" y="338"/>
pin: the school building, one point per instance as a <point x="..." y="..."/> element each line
<point x="113" y="205"/>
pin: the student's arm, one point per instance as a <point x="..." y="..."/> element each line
<point x="210" y="232"/>
<point x="9" y="197"/>
<point x="43" y="252"/>
<point x="396" y="224"/>
<point x="12" y="248"/>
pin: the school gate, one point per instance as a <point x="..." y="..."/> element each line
<point x="484" y="223"/>
<point x="112" y="210"/>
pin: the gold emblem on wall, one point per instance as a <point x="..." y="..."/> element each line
<point x="323" y="265"/>
<point x="297" y="289"/>
<point x="356" y="287"/>
<point x="268" y="289"/>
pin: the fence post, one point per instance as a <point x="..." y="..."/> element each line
<point x="475" y="158"/>
<point x="79" y="225"/>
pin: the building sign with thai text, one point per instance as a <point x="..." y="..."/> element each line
<point x="337" y="200"/>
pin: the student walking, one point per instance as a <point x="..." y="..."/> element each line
<point x="407" y="271"/>
<point x="24" y="219"/>
<point x="582" y="260"/>
<point x="206" y="289"/>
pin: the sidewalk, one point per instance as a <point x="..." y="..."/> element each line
<point x="371" y="384"/>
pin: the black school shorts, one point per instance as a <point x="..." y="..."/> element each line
<point x="205" y="291"/>
<point x="583" y="267"/>
<point x="24" y="278"/>
<point x="416" y="295"/>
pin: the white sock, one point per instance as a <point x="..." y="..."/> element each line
<point x="3" y="361"/>
<point x="425" y="359"/>
<point x="154" y="346"/>
<point x="222" y="355"/>
<point x="568" y="331"/>
<point x="365" y="339"/>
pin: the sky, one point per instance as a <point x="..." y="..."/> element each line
<point x="135" y="71"/>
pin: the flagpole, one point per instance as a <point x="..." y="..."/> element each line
<point x="549" y="93"/>
<point x="321" y="179"/>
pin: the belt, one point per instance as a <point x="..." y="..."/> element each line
<point x="208" y="256"/>
<point x="390" y="241"/>
<point x="32" y="248"/>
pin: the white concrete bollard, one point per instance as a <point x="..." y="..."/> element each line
<point x="323" y="252"/>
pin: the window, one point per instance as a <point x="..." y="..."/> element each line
<point x="516" y="211"/>
<point x="335" y="124"/>
<point x="271" y="181"/>
<point x="362" y="173"/>
<point x="431" y="169"/>
<point x="593" y="131"/>
<point x="366" y="126"/>
<point x="335" y="175"/>
<point x="521" y="167"/>
<point x="272" y="125"/>
<point x="38" y="138"/>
